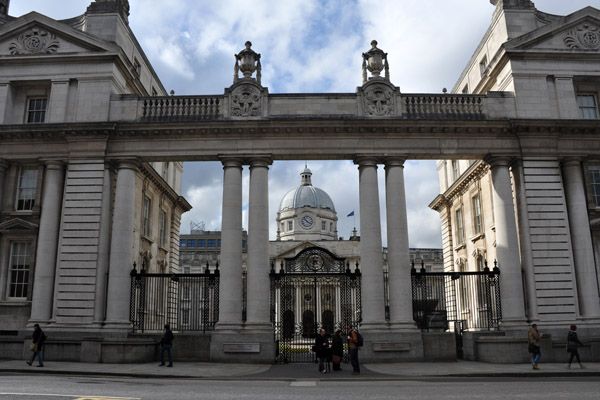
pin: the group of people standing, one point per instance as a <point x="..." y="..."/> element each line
<point x="573" y="344"/>
<point x="335" y="353"/>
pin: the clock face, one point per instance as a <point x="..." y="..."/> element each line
<point x="306" y="221"/>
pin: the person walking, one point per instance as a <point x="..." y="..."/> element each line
<point x="166" y="344"/>
<point x="353" y="350"/>
<point x="535" y="346"/>
<point x="572" y="344"/>
<point x="337" y="350"/>
<point x="322" y="350"/>
<point x="37" y="345"/>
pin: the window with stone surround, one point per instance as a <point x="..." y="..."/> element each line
<point x="460" y="231"/>
<point x="588" y="106"/>
<point x="323" y="225"/>
<point x="36" y="110"/>
<point x="594" y="171"/>
<point x="19" y="270"/>
<point x="483" y="64"/>
<point x="162" y="228"/>
<point x="455" y="170"/>
<point x="477" y="225"/>
<point x="290" y="226"/>
<point x="27" y="188"/>
<point x="147" y="207"/>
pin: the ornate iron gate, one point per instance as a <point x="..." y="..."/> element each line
<point x="311" y="291"/>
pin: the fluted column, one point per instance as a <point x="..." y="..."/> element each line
<point x="103" y="247"/>
<point x="121" y="248"/>
<point x="3" y="168"/>
<point x="47" y="245"/>
<point x="257" y="312"/>
<point x="398" y="257"/>
<point x="581" y="239"/>
<point x="507" y="245"/>
<point x="230" y="286"/>
<point x="373" y="305"/>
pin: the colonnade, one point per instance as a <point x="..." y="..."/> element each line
<point x="120" y="243"/>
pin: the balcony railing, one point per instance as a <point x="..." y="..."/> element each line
<point x="445" y="106"/>
<point x="181" y="108"/>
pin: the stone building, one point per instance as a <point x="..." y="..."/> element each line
<point x="549" y="64"/>
<point x="67" y="231"/>
<point x="85" y="125"/>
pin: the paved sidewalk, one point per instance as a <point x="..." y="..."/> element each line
<point x="196" y="370"/>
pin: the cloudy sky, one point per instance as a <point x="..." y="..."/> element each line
<point x="307" y="46"/>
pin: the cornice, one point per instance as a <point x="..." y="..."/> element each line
<point x="478" y="169"/>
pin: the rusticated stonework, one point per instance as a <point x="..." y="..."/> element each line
<point x="379" y="100"/>
<point x="34" y="41"/>
<point x="586" y="36"/>
<point x="245" y="101"/>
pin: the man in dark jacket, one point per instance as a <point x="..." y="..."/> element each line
<point x="166" y="343"/>
<point x="322" y="350"/>
<point x="37" y="345"/>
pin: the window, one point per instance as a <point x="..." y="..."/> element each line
<point x="323" y="225"/>
<point x="465" y="89"/>
<point x="460" y="232"/>
<point x="27" y="188"/>
<point x="162" y="228"/>
<point x="201" y="243"/>
<point x="20" y="254"/>
<point x="182" y="242"/>
<point x="36" y="110"/>
<point x="290" y="225"/>
<point x="587" y="106"/>
<point x="243" y="244"/>
<point x="211" y="243"/>
<point x="455" y="170"/>
<point x="186" y="293"/>
<point x="165" y="171"/>
<point x="219" y="243"/>
<point x="282" y="227"/>
<point x="595" y="183"/>
<point x="477" y="215"/>
<point x="191" y="243"/>
<point x="185" y="316"/>
<point x="187" y="270"/>
<point x="146" y="217"/>
<point x="483" y="66"/>
<point x="331" y="226"/>
<point x="480" y="264"/>
<point x="154" y="93"/>
<point x="137" y="68"/>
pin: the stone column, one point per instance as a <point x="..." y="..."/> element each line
<point x="230" y="286"/>
<point x="103" y="247"/>
<point x="121" y="248"/>
<point x="371" y="251"/>
<point x="398" y="257"/>
<point x="257" y="313"/>
<point x="47" y="246"/>
<point x="507" y="245"/>
<point x="3" y="168"/>
<point x="581" y="239"/>
<point x="525" y="240"/>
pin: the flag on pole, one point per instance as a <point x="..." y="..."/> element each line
<point x="351" y="214"/>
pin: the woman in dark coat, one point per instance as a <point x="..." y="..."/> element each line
<point x="572" y="344"/>
<point x="322" y="350"/>
<point x="37" y="345"/>
<point x="337" y="350"/>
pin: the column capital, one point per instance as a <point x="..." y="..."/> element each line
<point x="231" y="161"/>
<point x="366" y="161"/>
<point x="498" y="161"/>
<point x="394" y="162"/>
<point x="54" y="164"/>
<point x="571" y="161"/>
<point x="260" y="161"/>
<point x="128" y="164"/>
<point x="3" y="165"/>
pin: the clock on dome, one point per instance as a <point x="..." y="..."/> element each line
<point x="306" y="221"/>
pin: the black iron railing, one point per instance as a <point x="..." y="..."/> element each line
<point x="445" y="300"/>
<point x="187" y="302"/>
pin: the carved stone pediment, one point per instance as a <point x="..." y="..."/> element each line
<point x="34" y="41"/>
<point x="18" y="225"/>
<point x="585" y="36"/>
<point x="245" y="101"/>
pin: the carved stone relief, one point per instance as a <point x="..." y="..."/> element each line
<point x="586" y="36"/>
<point x="34" y="41"/>
<point x="245" y="101"/>
<point x="379" y="100"/>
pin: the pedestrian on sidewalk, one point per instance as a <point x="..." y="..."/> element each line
<point x="337" y="350"/>
<point x="535" y="346"/>
<point x="37" y="346"/>
<point x="166" y="343"/>
<point x="322" y="350"/>
<point x="572" y="344"/>
<point x="353" y="350"/>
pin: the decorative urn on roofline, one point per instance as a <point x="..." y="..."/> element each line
<point x="247" y="61"/>
<point x="375" y="60"/>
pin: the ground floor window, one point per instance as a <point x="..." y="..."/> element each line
<point x="19" y="269"/>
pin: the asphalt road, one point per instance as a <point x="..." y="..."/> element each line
<point x="38" y="387"/>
